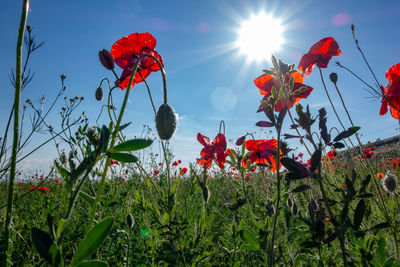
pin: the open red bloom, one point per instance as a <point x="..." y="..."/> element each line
<point x="212" y="151"/>
<point x="266" y="82"/>
<point x="331" y="154"/>
<point x="183" y="171"/>
<point x="112" y="162"/>
<point x="156" y="172"/>
<point x="262" y="152"/>
<point x="44" y="189"/>
<point x="392" y="92"/>
<point x="320" y="54"/>
<point x="127" y="50"/>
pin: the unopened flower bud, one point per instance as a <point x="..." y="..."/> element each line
<point x="333" y="76"/>
<point x="106" y="59"/>
<point x="206" y="194"/>
<point x="240" y="140"/>
<point x="99" y="94"/>
<point x="165" y="122"/>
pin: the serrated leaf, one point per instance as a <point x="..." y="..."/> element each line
<point x="301" y="188"/>
<point x="123" y="157"/>
<point x="295" y="167"/>
<point x="359" y="214"/>
<point x="347" y="133"/>
<point x="315" y="160"/>
<point x="251" y="241"/>
<point x="381" y="251"/>
<point x="132" y="145"/>
<point x="264" y="124"/>
<point x="92" y="241"/>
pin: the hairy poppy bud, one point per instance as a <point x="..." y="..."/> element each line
<point x="333" y="76"/>
<point x="389" y="182"/>
<point x="240" y="140"/>
<point x="289" y="203"/>
<point x="99" y="94"/>
<point x="165" y="122"/>
<point x="314" y="204"/>
<point x="106" y="59"/>
<point x="294" y="209"/>
<point x="130" y="221"/>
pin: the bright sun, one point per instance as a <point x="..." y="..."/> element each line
<point x="260" y="36"/>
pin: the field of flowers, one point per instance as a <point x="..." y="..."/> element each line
<point x="258" y="203"/>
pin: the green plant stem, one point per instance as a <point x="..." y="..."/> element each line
<point x="18" y="86"/>
<point x="278" y="198"/>
<point x="337" y="229"/>
<point x="93" y="210"/>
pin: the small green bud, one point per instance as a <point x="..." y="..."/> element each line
<point x="333" y="76"/>
<point x="99" y="94"/>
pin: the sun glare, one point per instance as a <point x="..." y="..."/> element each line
<point x="260" y="36"/>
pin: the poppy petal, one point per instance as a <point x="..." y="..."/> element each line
<point x="307" y="63"/>
<point x="204" y="140"/>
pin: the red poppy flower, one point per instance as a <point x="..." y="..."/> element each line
<point x="43" y="189"/>
<point x="320" y="54"/>
<point x="212" y="151"/>
<point x="331" y="154"/>
<point x="266" y="81"/>
<point x="392" y="92"/>
<point x="156" y="172"/>
<point x="175" y="163"/>
<point x="123" y="180"/>
<point x="127" y="50"/>
<point x="262" y="152"/>
<point x="379" y="175"/>
<point x="112" y="162"/>
<point x="183" y="171"/>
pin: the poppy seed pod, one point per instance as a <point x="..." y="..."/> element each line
<point x="99" y="94"/>
<point x="165" y="122"/>
<point x="389" y="182"/>
<point x="106" y="59"/>
<point x="333" y="76"/>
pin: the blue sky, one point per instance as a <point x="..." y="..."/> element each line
<point x="208" y="79"/>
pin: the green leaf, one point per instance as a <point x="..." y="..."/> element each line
<point x="359" y="214"/>
<point x="92" y="241"/>
<point x="123" y="126"/>
<point x="63" y="172"/>
<point x="132" y="145"/>
<point x="46" y="246"/>
<point x="301" y="188"/>
<point x="104" y="136"/>
<point x="347" y="133"/>
<point x="123" y="157"/>
<point x="251" y="241"/>
<point x="309" y="244"/>
<point x="93" y="263"/>
<point x="381" y="251"/>
<point x="86" y="197"/>
<point x="380" y="226"/>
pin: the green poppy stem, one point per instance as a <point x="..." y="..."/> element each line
<point x="18" y="87"/>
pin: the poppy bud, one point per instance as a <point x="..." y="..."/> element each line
<point x="240" y="140"/>
<point x="99" y="94"/>
<point x="333" y="76"/>
<point x="389" y="182"/>
<point x="289" y="203"/>
<point x="314" y="204"/>
<point x="130" y="221"/>
<point x="106" y="59"/>
<point x="165" y="122"/>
